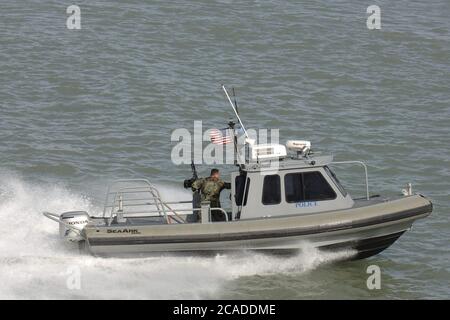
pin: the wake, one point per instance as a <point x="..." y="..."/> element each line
<point x="36" y="264"/>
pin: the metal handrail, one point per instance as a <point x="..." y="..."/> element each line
<point x="147" y="203"/>
<point x="132" y="214"/>
<point x="219" y="209"/>
<point x="154" y="199"/>
<point x="365" y="172"/>
<point x="125" y="190"/>
<point x="116" y="192"/>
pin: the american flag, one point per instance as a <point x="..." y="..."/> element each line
<point x="221" y="136"/>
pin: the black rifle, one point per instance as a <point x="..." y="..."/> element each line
<point x="188" y="182"/>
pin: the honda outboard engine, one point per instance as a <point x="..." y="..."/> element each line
<point x="77" y="220"/>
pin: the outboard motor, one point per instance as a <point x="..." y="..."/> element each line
<point x="77" y="220"/>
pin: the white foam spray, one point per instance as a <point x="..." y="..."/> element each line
<point x="36" y="264"/>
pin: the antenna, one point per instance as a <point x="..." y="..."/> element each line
<point x="235" y="110"/>
<point x="234" y="100"/>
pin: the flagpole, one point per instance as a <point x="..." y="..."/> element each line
<point x="235" y="111"/>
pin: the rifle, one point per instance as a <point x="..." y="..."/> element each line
<point x="188" y="182"/>
<point x="194" y="171"/>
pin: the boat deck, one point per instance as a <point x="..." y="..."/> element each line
<point x="152" y="219"/>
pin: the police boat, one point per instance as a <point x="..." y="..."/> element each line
<point x="282" y="197"/>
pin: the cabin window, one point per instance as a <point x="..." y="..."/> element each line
<point x="271" y="190"/>
<point x="293" y="186"/>
<point x="307" y="186"/>
<point x="239" y="187"/>
<point x="316" y="187"/>
<point x="336" y="181"/>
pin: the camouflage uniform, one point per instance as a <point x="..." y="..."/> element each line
<point x="210" y="191"/>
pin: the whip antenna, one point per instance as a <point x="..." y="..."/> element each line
<point x="234" y="100"/>
<point x="235" y="111"/>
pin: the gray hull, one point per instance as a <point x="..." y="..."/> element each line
<point x="366" y="228"/>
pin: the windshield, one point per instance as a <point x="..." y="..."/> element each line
<point x="336" y="181"/>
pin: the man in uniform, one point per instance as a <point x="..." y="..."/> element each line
<point x="210" y="189"/>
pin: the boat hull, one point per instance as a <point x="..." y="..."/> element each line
<point x="363" y="231"/>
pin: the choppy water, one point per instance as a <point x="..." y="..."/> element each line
<point x="79" y="108"/>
